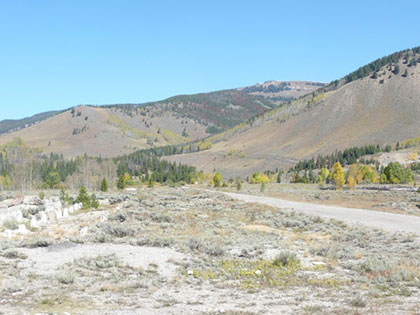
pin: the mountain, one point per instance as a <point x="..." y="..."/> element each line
<point x="111" y="130"/>
<point x="377" y="104"/>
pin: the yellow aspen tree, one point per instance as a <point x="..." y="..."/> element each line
<point x="351" y="182"/>
<point x="217" y="180"/>
<point x="338" y="176"/>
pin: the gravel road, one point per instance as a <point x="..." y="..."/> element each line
<point x="387" y="221"/>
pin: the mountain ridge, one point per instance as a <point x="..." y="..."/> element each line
<point x="112" y="130"/>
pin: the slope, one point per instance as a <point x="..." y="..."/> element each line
<point x="377" y="104"/>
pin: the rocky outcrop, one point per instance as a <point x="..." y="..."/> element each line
<point x="19" y="216"/>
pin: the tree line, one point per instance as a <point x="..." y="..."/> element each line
<point x="23" y="168"/>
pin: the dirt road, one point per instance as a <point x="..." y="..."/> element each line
<point x="387" y="221"/>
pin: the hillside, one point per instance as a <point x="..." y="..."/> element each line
<point x="280" y="92"/>
<point x="112" y="130"/>
<point x="220" y="110"/>
<point x="377" y="104"/>
<point x="9" y="125"/>
<point x="106" y="132"/>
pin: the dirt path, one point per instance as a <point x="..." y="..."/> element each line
<point x="387" y="221"/>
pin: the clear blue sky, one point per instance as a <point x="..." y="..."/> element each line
<point x="57" y="54"/>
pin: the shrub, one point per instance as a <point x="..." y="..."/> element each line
<point x="195" y="244"/>
<point x="41" y="195"/>
<point x="286" y="259"/>
<point x="118" y="230"/>
<point x="11" y="224"/>
<point x="65" y="277"/>
<point x="40" y="242"/>
<point x="358" y="301"/>
<point x="214" y="250"/>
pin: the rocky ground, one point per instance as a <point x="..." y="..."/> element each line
<point x="188" y="251"/>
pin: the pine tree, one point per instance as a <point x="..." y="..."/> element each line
<point x="279" y="177"/>
<point x="238" y="185"/>
<point x="83" y="198"/>
<point x="121" y="184"/>
<point x="94" y="203"/>
<point x="338" y="176"/>
<point x="104" y="185"/>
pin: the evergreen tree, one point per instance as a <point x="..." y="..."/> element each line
<point x="94" y="203"/>
<point x="279" y="177"/>
<point x="53" y="180"/>
<point x="238" y="185"/>
<point x="104" y="185"/>
<point x="121" y="183"/>
<point x="83" y="198"/>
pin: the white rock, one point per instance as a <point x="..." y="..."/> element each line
<point x="34" y="223"/>
<point x="258" y="272"/>
<point x="65" y="212"/>
<point x="84" y="231"/>
<point x="190" y="272"/>
<point x="44" y="217"/>
<point x="51" y="215"/>
<point x="8" y="233"/>
<point x="22" y="229"/>
<point x="58" y="213"/>
<point x="71" y="209"/>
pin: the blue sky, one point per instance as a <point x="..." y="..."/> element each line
<point x="57" y="54"/>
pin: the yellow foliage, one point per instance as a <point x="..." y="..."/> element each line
<point x="205" y="145"/>
<point x="319" y="97"/>
<point x="338" y="176"/>
<point x="351" y="182"/>
<point x="413" y="156"/>
<point x="410" y="142"/>
<point x="363" y="173"/>
<point x="127" y="177"/>
<point x="324" y="173"/>
<point x="258" y="178"/>
<point x="217" y="179"/>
